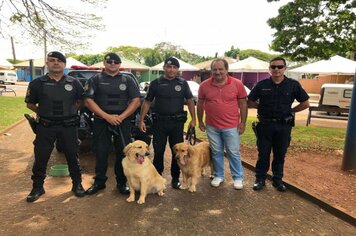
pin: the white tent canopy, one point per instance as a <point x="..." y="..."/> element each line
<point x="127" y="64"/>
<point x="73" y="62"/>
<point x="183" y="66"/>
<point x="4" y="64"/>
<point x="336" y="65"/>
<point x="249" y="64"/>
<point x="41" y="62"/>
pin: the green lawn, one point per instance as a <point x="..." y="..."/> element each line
<point x="11" y="110"/>
<point x="303" y="137"/>
<point x="316" y="138"/>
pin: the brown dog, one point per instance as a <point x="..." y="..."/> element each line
<point x="141" y="174"/>
<point x="192" y="160"/>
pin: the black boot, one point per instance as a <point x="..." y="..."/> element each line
<point x="78" y="190"/>
<point x="35" y="194"/>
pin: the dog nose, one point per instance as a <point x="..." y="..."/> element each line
<point x="147" y="153"/>
<point x="176" y="157"/>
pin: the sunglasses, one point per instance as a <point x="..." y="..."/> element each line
<point x="112" y="61"/>
<point x="277" y="66"/>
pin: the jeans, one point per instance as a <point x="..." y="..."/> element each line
<point x="230" y="140"/>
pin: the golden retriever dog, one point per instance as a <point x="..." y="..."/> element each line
<point x="192" y="160"/>
<point x="140" y="173"/>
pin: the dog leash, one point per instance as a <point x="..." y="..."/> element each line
<point x="113" y="129"/>
<point x="191" y="136"/>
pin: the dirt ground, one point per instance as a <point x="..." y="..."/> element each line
<point x="209" y="211"/>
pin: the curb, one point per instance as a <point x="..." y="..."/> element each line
<point x="322" y="203"/>
<point x="6" y="130"/>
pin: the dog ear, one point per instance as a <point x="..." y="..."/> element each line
<point x="191" y="151"/>
<point x="127" y="148"/>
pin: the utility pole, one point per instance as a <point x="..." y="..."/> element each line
<point x="13" y="49"/>
<point x="349" y="160"/>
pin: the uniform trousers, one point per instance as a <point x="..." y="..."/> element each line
<point x="272" y="136"/>
<point x="44" y="144"/>
<point x="104" y="138"/>
<point x="163" y="129"/>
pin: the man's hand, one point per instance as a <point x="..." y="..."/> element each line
<point x="142" y="126"/>
<point x="202" y="126"/>
<point x="113" y="119"/>
<point x="241" y="128"/>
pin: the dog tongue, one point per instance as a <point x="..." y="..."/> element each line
<point x="140" y="159"/>
<point x="182" y="161"/>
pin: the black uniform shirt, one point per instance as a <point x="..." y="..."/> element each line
<point x="169" y="95"/>
<point x="34" y="90"/>
<point x="275" y="100"/>
<point x="111" y="93"/>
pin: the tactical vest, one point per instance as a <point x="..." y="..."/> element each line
<point x="169" y="97"/>
<point x="112" y="93"/>
<point x="57" y="99"/>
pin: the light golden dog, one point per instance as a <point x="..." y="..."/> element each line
<point x="192" y="160"/>
<point x="141" y="174"/>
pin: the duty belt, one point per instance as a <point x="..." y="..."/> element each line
<point x="286" y="120"/>
<point x="73" y="121"/>
<point x="176" y="117"/>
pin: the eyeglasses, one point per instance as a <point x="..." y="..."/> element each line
<point x="277" y="66"/>
<point x="112" y="61"/>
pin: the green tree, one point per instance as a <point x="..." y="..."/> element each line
<point x="47" y="19"/>
<point x="264" y="56"/>
<point x="233" y="52"/>
<point x="315" y="29"/>
<point x="155" y="55"/>
<point x="89" y="59"/>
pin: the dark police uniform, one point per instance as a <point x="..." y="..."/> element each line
<point x="112" y="95"/>
<point x="58" y="120"/>
<point x="275" y="123"/>
<point x="168" y="118"/>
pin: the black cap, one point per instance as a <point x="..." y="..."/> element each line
<point x="57" y="55"/>
<point x="112" y="56"/>
<point x="172" y="61"/>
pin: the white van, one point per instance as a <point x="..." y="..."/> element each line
<point x="336" y="95"/>
<point x="8" y="76"/>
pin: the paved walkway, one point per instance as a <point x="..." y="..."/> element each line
<point x="209" y="211"/>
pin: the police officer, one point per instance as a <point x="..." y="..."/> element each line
<point x="55" y="97"/>
<point x="273" y="99"/>
<point x="170" y="93"/>
<point x="112" y="97"/>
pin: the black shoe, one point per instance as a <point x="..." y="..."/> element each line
<point x="94" y="189"/>
<point x="175" y="184"/>
<point x="258" y="185"/>
<point x="78" y="190"/>
<point x="279" y="186"/>
<point x="35" y="194"/>
<point x="123" y="189"/>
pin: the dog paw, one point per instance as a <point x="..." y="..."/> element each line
<point x="130" y="199"/>
<point x="160" y="193"/>
<point x="141" y="201"/>
<point x="192" y="189"/>
<point x="183" y="186"/>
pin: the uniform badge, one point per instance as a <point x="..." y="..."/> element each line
<point x="122" y="87"/>
<point x="178" y="88"/>
<point x="68" y="87"/>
